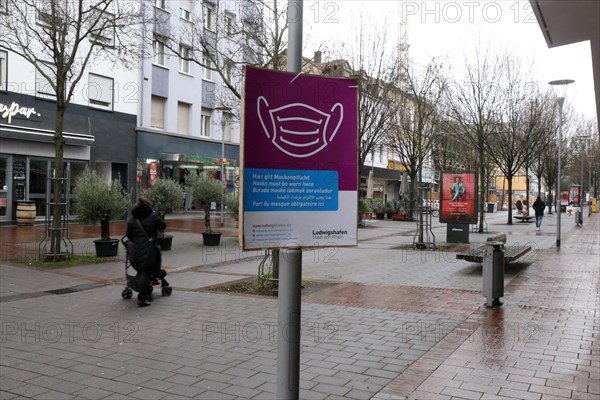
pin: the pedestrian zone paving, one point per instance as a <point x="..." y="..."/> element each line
<point x="388" y="322"/>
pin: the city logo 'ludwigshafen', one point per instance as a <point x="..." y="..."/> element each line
<point x="297" y="129"/>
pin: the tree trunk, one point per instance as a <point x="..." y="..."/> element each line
<point x="481" y="175"/>
<point x="420" y="202"/>
<point x="527" y="184"/>
<point x="59" y="171"/>
<point x="207" y="218"/>
<point x="105" y="229"/>
<point x="509" y="179"/>
<point x="550" y="197"/>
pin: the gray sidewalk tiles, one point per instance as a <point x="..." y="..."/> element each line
<point x="199" y="344"/>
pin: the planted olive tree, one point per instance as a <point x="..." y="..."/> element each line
<point x="98" y="201"/>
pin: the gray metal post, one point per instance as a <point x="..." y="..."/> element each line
<point x="290" y="267"/>
<point x="561" y="101"/>
<point x="289" y="318"/>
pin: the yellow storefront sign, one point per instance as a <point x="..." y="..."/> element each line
<point x="396" y="165"/>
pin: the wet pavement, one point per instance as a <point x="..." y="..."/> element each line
<point x="390" y="322"/>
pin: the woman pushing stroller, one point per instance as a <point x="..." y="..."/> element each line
<point x="142" y="229"/>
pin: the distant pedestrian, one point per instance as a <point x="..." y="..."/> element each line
<point x="538" y="207"/>
<point x="519" y="206"/>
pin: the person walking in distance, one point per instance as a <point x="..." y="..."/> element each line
<point x="538" y="207"/>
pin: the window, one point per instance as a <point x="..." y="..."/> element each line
<point x="3" y="6"/>
<point x="43" y="88"/>
<point x="104" y="33"/>
<point x="183" y="118"/>
<point x="44" y="20"/>
<point x="159" y="51"/>
<point x="100" y="91"/>
<point x="226" y="127"/>
<point x="205" y="124"/>
<point x="160" y="4"/>
<point x="207" y="67"/>
<point x="3" y="69"/>
<point x="185" y="9"/>
<point x="184" y="59"/>
<point x="157" y="112"/>
<point x="228" y="70"/>
<point x="209" y="17"/>
<point x="380" y="153"/>
<point x="229" y="24"/>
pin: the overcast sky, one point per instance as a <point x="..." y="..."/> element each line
<point x="450" y="29"/>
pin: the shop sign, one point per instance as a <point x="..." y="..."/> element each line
<point x="15" y="109"/>
<point x="300" y="163"/>
<point x="396" y="165"/>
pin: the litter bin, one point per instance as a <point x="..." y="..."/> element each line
<point x="493" y="273"/>
<point x="578" y="217"/>
<point x="490" y="207"/>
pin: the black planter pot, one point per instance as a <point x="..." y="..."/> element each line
<point x="107" y="248"/>
<point x="165" y="242"/>
<point x="379" y="215"/>
<point x="211" y="239"/>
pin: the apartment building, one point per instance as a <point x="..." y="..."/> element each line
<point x="161" y="115"/>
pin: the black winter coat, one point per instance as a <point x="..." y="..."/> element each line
<point x="539" y="206"/>
<point x="145" y="255"/>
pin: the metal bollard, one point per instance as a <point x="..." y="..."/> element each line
<point x="493" y="273"/>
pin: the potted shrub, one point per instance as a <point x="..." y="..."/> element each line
<point x="166" y="196"/>
<point x="206" y="191"/>
<point x="389" y="209"/>
<point x="379" y="209"/>
<point x="233" y="206"/>
<point x="364" y="207"/>
<point x="97" y="201"/>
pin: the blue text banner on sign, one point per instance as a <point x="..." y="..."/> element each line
<point x="290" y="190"/>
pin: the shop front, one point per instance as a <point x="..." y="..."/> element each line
<point x="175" y="157"/>
<point x="27" y="150"/>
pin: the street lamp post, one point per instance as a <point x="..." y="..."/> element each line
<point x="561" y="101"/>
<point x="582" y="138"/>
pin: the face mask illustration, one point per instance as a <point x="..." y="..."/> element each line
<point x="297" y="129"/>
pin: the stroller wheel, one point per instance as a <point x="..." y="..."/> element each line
<point x="167" y="290"/>
<point x="126" y="293"/>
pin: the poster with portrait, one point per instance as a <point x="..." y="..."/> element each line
<point x="458" y="197"/>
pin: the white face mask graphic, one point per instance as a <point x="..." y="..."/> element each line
<point x="297" y="129"/>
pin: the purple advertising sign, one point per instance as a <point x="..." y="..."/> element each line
<point x="299" y="160"/>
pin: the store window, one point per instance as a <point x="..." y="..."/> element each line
<point x="38" y="181"/>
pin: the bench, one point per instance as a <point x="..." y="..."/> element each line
<point x="511" y="253"/>
<point x="524" y="218"/>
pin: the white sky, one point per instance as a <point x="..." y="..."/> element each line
<point x="449" y="30"/>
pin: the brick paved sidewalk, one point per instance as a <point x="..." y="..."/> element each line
<point x="392" y="324"/>
<point x="544" y="343"/>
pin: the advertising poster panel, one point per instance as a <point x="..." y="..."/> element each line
<point x="299" y="160"/>
<point x="576" y="196"/>
<point x="458" y="197"/>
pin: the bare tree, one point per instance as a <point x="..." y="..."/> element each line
<point x="416" y="119"/>
<point x="61" y="38"/>
<point x="520" y="124"/>
<point x="474" y="101"/>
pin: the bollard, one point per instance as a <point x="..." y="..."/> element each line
<point x="493" y="273"/>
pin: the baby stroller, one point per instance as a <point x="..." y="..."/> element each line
<point x="158" y="277"/>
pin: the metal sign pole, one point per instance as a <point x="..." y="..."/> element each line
<point x="290" y="271"/>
